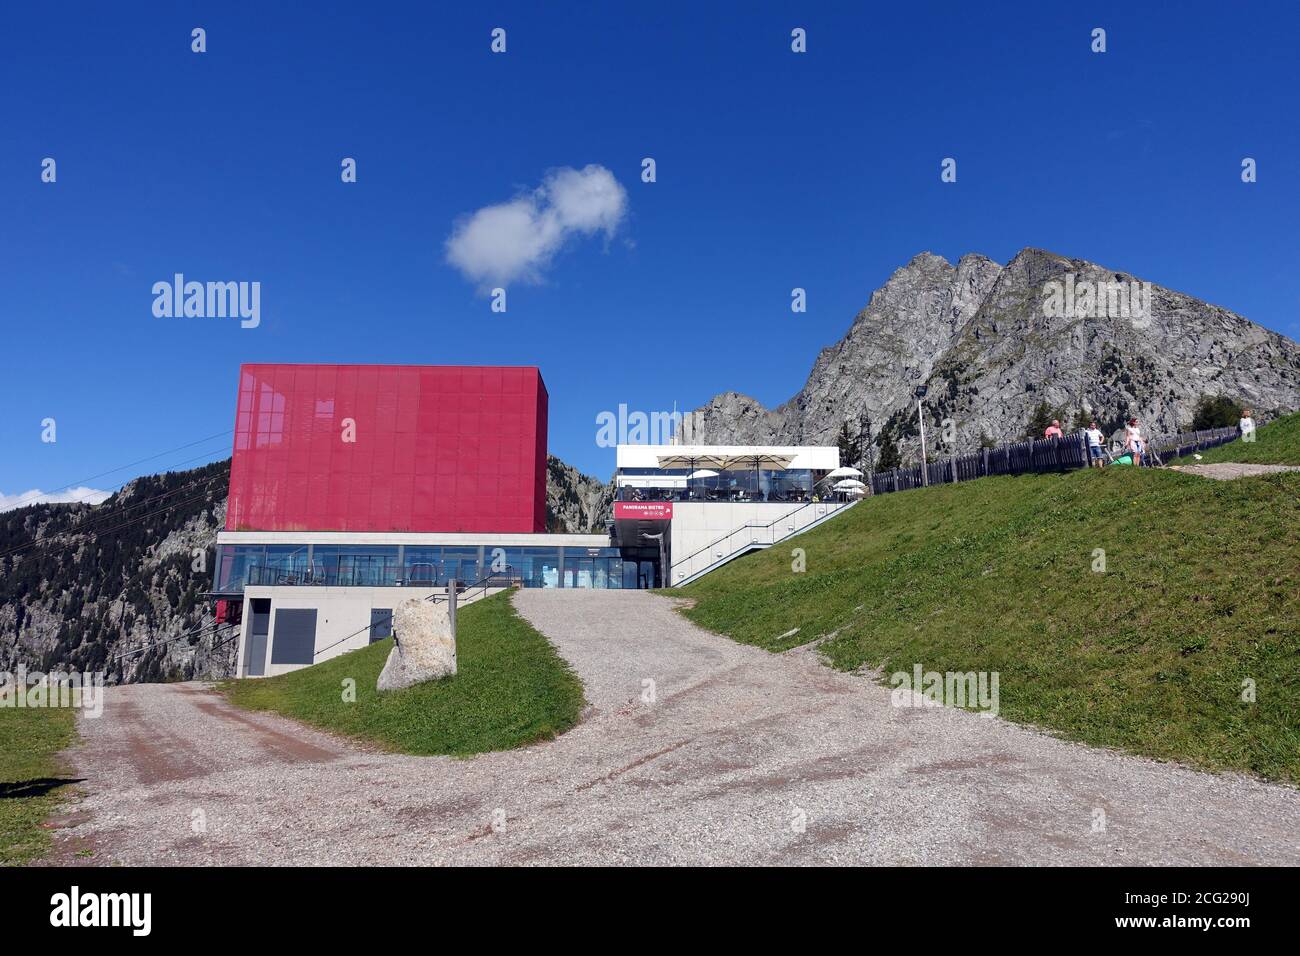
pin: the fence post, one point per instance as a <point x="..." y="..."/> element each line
<point x="986" y="462"/>
<point x="451" y="605"/>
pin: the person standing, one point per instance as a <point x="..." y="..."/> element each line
<point x="1053" y="430"/>
<point x="1095" y="439"/>
<point x="1133" y="440"/>
<point x="1246" y="426"/>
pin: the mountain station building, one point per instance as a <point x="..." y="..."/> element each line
<point x="356" y="487"/>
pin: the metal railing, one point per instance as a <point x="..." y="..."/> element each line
<point x="493" y="579"/>
<point x="455" y="593"/>
<point x="360" y="576"/>
<point x="753" y="535"/>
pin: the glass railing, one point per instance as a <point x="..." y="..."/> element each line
<point x="358" y="576"/>
<point x="730" y="495"/>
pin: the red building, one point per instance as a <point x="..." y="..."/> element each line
<point x="381" y="448"/>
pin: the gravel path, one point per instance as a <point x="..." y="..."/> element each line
<point x="742" y="757"/>
<point x="1226" y="471"/>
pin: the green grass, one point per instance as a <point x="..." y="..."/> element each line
<point x="1277" y="443"/>
<point x="29" y="743"/>
<point x="511" y="689"/>
<point x="1200" y="592"/>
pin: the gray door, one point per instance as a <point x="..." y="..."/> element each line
<point x="258" y="628"/>
<point x="381" y="623"/>
<point x="295" y="636"/>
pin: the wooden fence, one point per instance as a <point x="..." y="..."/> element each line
<point x="1027" y="457"/>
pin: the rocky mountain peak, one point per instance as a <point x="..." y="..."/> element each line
<point x="992" y="343"/>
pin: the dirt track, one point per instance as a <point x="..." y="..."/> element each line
<point x="743" y="757"/>
<point x="1228" y="470"/>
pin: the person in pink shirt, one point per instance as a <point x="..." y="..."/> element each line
<point x="1054" y="430"/>
<point x="1133" y="442"/>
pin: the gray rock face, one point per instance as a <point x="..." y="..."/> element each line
<point x="116" y="587"/>
<point x="425" y="648"/>
<point x="986" y="341"/>
<point x="575" y="503"/>
<point x="95" y="588"/>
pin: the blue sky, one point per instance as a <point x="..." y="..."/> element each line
<point x="775" y="170"/>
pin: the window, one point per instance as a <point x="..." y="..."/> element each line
<point x="422" y="565"/>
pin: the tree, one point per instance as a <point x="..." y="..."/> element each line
<point x="1042" y="416"/>
<point x="889" y="455"/>
<point x="986" y="440"/>
<point x="1081" y="421"/>
<point x="847" y="446"/>
<point x="1215" y="412"/>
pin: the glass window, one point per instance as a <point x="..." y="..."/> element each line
<point x="285" y="563"/>
<point x="325" y="564"/>
<point x="367" y="565"/>
<point x="422" y="564"/>
<point x="234" y="564"/>
<point x="461" y="564"/>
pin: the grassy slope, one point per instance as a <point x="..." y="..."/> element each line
<point x="1277" y="443"/>
<point x="29" y="741"/>
<point x="1200" y="591"/>
<point x="511" y="689"/>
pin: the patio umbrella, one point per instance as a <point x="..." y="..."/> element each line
<point x="850" y="485"/>
<point x="844" y="471"/>
<point x="757" y="459"/>
<point x="690" y="458"/>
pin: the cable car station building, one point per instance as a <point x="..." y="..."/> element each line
<point x="354" y="488"/>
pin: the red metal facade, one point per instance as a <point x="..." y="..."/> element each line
<point x="433" y="448"/>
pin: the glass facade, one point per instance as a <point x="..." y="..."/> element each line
<point x="763" y="484"/>
<point x="388" y="448"/>
<point x="426" y="566"/>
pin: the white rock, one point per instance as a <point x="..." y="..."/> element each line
<point x="425" y="646"/>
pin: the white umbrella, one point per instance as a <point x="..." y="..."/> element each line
<point x="844" y="471"/>
<point x="702" y="473"/>
<point x="849" y="484"/>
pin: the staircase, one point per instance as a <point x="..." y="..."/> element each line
<point x="753" y="537"/>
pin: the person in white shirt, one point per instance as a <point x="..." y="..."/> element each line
<point x="1133" y="440"/>
<point x="1246" y="426"/>
<point x="1095" y="440"/>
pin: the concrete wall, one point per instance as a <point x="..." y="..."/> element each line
<point x="696" y="524"/>
<point x="339" y="612"/>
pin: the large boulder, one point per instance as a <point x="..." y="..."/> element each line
<point x="425" y="645"/>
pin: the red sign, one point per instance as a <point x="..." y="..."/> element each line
<point x="643" y="510"/>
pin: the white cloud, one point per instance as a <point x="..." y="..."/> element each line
<point x="90" y="496"/>
<point x="517" y="239"/>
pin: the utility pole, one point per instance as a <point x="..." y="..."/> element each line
<point x="920" y="394"/>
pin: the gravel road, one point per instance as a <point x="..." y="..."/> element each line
<point x="1228" y="470"/>
<point x="741" y="757"/>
